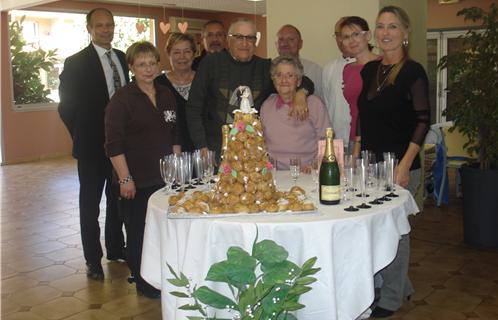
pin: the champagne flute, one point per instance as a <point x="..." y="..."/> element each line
<point x="391" y="166"/>
<point x="188" y="167"/>
<point x="198" y="167"/>
<point x="363" y="173"/>
<point x="315" y="171"/>
<point x="348" y="179"/>
<point x="295" y="168"/>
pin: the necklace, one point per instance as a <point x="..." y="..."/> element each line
<point x="384" y="73"/>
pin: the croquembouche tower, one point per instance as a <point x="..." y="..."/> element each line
<point x="245" y="183"/>
<point x="245" y="178"/>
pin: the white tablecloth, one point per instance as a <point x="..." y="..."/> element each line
<point x="351" y="248"/>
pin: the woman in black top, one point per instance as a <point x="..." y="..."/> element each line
<point x="394" y="117"/>
<point x="180" y="48"/>
<point x="141" y="128"/>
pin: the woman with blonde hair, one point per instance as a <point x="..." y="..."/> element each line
<point x="394" y="117"/>
<point x="180" y="48"/>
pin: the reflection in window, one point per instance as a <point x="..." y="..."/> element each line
<point x="40" y="41"/>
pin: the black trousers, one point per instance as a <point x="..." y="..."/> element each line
<point x="94" y="175"/>
<point x="134" y="212"/>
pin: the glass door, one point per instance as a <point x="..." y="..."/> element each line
<point x="439" y="44"/>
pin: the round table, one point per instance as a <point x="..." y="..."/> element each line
<point x="350" y="247"/>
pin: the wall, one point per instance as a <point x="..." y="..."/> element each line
<point x="40" y="134"/>
<point x="316" y="24"/>
<point x="444" y="16"/>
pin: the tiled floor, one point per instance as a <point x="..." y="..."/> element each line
<point x="43" y="272"/>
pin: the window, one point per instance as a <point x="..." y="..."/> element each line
<point x="40" y="41"/>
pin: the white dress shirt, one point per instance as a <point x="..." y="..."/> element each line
<point x="107" y="68"/>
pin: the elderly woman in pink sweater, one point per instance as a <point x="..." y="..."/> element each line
<point x="286" y="137"/>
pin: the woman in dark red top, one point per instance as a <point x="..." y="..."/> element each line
<point x="141" y="128"/>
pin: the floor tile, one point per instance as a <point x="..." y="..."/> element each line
<point x="35" y="295"/>
<point x="59" y="308"/>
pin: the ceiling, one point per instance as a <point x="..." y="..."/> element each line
<point x="239" y="6"/>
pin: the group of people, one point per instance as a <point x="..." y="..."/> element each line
<point x="120" y="129"/>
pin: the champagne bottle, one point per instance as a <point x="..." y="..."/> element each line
<point x="329" y="173"/>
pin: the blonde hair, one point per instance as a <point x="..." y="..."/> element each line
<point x="141" y="47"/>
<point x="403" y="18"/>
<point x="176" y="37"/>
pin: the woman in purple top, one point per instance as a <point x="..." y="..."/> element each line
<point x="355" y="35"/>
<point x="286" y="137"/>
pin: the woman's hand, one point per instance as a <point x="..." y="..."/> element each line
<point x="299" y="108"/>
<point x="306" y="169"/>
<point x="177" y="149"/>
<point x="127" y="190"/>
<point x="402" y="175"/>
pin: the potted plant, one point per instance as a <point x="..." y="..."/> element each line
<point x="473" y="83"/>
<point x="264" y="285"/>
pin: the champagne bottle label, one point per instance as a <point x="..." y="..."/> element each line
<point x="330" y="193"/>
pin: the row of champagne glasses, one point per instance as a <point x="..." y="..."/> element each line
<point x="364" y="177"/>
<point x="178" y="170"/>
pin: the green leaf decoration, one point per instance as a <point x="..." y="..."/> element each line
<point x="250" y="128"/>
<point x="178" y="282"/>
<point x="287" y="316"/>
<point x="234" y="173"/>
<point x="275" y="299"/>
<point x="299" y="290"/>
<point x="273" y="294"/>
<point x="234" y="131"/>
<point x="214" y="299"/>
<point x="269" y="253"/>
<point x="190" y="307"/>
<point x="171" y="270"/>
<point x="280" y="273"/>
<point x="247" y="298"/>
<point x="237" y="270"/>
<point x="305" y="280"/>
<point x="310" y="272"/>
<point x="309" y="263"/>
<point x="293" y="306"/>
<point x="263" y="171"/>
<point x="179" y="294"/>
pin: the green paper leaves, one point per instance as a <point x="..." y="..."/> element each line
<point x="234" y="131"/>
<point x="273" y="294"/>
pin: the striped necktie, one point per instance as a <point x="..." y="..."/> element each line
<point x="115" y="74"/>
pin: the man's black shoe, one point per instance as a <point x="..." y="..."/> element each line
<point x="379" y="312"/>
<point x="117" y="256"/>
<point x="94" y="271"/>
<point x="151" y="293"/>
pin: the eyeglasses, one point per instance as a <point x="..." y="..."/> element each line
<point x="145" y="65"/>
<point x="240" y="38"/>
<point x="353" y="36"/>
<point x="287" y="76"/>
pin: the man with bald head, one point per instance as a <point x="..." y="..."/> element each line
<point x="289" y="41"/>
<point x="332" y="89"/>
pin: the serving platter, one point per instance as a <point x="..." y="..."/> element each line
<point x="190" y="215"/>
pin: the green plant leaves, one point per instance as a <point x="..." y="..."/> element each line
<point x="269" y="253"/>
<point x="237" y="270"/>
<point x="214" y="299"/>
<point x="272" y="295"/>
<point x="280" y="273"/>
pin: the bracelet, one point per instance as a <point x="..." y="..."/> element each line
<point x="125" y="180"/>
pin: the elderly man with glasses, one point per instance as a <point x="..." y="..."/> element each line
<point x="220" y="74"/>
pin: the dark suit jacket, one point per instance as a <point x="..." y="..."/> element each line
<point x="83" y="99"/>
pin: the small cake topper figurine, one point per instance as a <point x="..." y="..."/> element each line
<point x="243" y="98"/>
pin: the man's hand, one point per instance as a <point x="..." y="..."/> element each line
<point x="299" y="108"/>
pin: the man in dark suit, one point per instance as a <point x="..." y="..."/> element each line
<point x="90" y="77"/>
